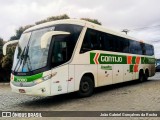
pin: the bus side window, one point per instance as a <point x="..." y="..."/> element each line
<point x="143" y="48"/>
<point x="125" y="45"/>
<point x="132" y="47"/>
<point x="152" y="49"/>
<point x="109" y="42"/>
<point x="119" y="44"/>
<point x="86" y="44"/>
<point x="94" y="38"/>
<point x="139" y="50"/>
<point x="149" y="49"/>
<point x="91" y="41"/>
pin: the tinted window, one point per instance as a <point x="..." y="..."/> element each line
<point x="109" y="42"/>
<point x="91" y="41"/>
<point x="96" y="40"/>
<point x="118" y="44"/>
<point x="143" y="48"/>
<point x="121" y="44"/>
<point x="135" y="47"/>
<point x="63" y="46"/>
<point x="132" y="47"/>
<point x="138" y="48"/>
<point x="149" y="49"/>
<point x="125" y="45"/>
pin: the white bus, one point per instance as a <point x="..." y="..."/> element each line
<point x="74" y="55"/>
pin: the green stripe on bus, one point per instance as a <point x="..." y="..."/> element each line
<point x="134" y="60"/>
<point x="108" y="59"/>
<point x="131" y="68"/>
<point x="147" y="60"/>
<point x="92" y="58"/>
<point x="117" y="59"/>
<point x="112" y="59"/>
<point x="28" y="78"/>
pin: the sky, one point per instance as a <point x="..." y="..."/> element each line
<point x="141" y="17"/>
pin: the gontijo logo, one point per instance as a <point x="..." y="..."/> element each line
<point x="100" y="58"/>
<point x="134" y="61"/>
<point x="111" y="59"/>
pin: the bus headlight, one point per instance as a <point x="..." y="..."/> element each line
<point x="47" y="77"/>
<point x="42" y="79"/>
<point x="38" y="81"/>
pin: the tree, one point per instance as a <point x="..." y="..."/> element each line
<point x="19" y="32"/>
<point x="53" y="18"/>
<point x="92" y="20"/>
<point x="40" y="22"/>
<point x="1" y="46"/>
<point x="7" y="60"/>
<point x="1" y="41"/>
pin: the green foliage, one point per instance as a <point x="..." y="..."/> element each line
<point x="53" y="18"/>
<point x="7" y="60"/>
<point x="19" y="32"/>
<point x="1" y="41"/>
<point x="92" y="20"/>
<point x="1" y="45"/>
<point x="40" y="22"/>
<point x="60" y="17"/>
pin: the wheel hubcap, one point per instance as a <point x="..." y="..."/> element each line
<point x="85" y="86"/>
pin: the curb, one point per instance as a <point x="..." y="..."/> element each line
<point x="4" y="83"/>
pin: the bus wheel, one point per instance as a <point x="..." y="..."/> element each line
<point x="146" y="75"/>
<point x="141" y="76"/>
<point x="86" y="87"/>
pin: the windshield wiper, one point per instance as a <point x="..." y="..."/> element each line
<point x="20" y="58"/>
<point x="27" y="57"/>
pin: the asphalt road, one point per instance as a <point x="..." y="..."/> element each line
<point x="130" y="96"/>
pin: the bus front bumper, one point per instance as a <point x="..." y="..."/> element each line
<point x="41" y="89"/>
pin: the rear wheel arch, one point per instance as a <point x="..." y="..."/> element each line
<point x="91" y="76"/>
<point x="86" y="85"/>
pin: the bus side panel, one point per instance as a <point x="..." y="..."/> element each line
<point x="80" y="70"/>
<point x="105" y="74"/>
<point x="117" y="73"/>
<point x="71" y="79"/>
<point x="60" y="80"/>
<point x="152" y="70"/>
<point x="127" y="74"/>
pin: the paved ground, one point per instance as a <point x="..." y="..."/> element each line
<point x="130" y="96"/>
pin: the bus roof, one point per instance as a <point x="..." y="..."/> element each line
<point x="81" y="23"/>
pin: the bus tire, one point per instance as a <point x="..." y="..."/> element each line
<point x="86" y="87"/>
<point x="141" y="76"/>
<point x="146" y="75"/>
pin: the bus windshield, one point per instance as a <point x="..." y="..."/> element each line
<point x="29" y="55"/>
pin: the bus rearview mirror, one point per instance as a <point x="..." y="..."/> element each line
<point x="8" y="43"/>
<point x="48" y="35"/>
